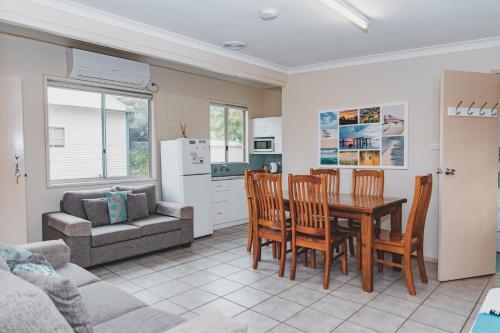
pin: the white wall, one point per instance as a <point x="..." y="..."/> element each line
<point x="182" y="97"/>
<point x="413" y="80"/>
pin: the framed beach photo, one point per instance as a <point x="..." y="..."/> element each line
<point x="369" y="136"/>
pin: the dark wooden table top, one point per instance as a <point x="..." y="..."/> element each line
<point x="358" y="203"/>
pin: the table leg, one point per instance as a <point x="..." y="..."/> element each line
<point x="396" y="221"/>
<point x="367" y="251"/>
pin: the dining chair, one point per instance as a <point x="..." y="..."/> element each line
<point x="248" y="179"/>
<point x="412" y="240"/>
<point x="366" y="183"/>
<point x="269" y="220"/>
<point x="311" y="225"/>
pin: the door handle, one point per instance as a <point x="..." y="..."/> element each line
<point x="449" y="171"/>
<point x="17" y="172"/>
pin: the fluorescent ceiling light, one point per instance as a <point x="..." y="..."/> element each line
<point x="344" y="9"/>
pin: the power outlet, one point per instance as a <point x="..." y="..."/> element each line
<point x="434" y="146"/>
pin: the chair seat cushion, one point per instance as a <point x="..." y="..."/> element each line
<point x="114" y="233"/>
<point x="105" y="301"/>
<point x="79" y="276"/>
<point x="157" y="224"/>
<point x="144" y="320"/>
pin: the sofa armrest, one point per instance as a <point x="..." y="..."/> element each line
<point x="208" y="323"/>
<point x="175" y="209"/>
<point x="68" y="224"/>
<point x="56" y="252"/>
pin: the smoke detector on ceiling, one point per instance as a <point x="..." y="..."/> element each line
<point x="268" y="14"/>
<point x="234" y="45"/>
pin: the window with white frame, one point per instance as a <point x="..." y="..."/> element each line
<point x="105" y="133"/>
<point x="227" y="133"/>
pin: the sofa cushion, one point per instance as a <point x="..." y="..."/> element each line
<point x="55" y="251"/>
<point x="63" y="294"/>
<point x="3" y="264"/>
<point x="114" y="233"/>
<point x="79" y="276"/>
<point x="105" y="301"/>
<point x="150" y="191"/>
<point x="72" y="200"/>
<point x="25" y="307"/>
<point x="13" y="254"/>
<point x="157" y="224"/>
<point x="117" y="206"/>
<point x="145" y="320"/>
<point x="137" y="206"/>
<point x="97" y="211"/>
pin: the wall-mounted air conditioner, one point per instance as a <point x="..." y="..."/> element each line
<point x="95" y="67"/>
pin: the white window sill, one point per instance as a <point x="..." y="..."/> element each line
<point x="93" y="182"/>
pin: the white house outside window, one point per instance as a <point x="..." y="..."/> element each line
<point x="227" y="133"/>
<point x="97" y="133"/>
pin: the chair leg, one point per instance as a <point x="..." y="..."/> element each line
<point x="256" y="250"/>
<point x="343" y="263"/>
<point x="304" y="257"/>
<point x="293" y="269"/>
<point x="407" y="273"/>
<point x="274" y="250"/>
<point x="282" y="259"/>
<point x="278" y="247"/>
<point x="250" y="233"/>
<point x="358" y="254"/>
<point x="327" y="267"/>
<point x="378" y="224"/>
<point x="313" y="258"/>
<point x="351" y="246"/>
<point x="380" y="255"/>
<point x="421" y="264"/>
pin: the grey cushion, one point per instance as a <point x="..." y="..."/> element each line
<point x="175" y="209"/>
<point x="68" y="224"/>
<point x="105" y="301"/>
<point x="145" y="320"/>
<point x="114" y="233"/>
<point x="25" y="307"/>
<point x="79" y="276"/>
<point x="3" y="265"/>
<point x="97" y="211"/>
<point x="65" y="297"/>
<point x="55" y="251"/>
<point x="150" y="191"/>
<point x="72" y="201"/>
<point x="137" y="206"/>
<point x="157" y="224"/>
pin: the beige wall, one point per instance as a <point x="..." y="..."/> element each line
<point x="413" y="80"/>
<point x="182" y="97"/>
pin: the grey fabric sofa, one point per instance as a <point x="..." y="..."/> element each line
<point x="26" y="308"/>
<point x="168" y="224"/>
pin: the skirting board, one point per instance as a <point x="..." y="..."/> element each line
<point x="230" y="224"/>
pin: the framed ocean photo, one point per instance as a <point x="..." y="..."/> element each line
<point x="369" y="136"/>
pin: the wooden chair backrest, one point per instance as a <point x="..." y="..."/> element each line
<point x="416" y="220"/>
<point x="248" y="188"/>
<point x="268" y="206"/>
<point x="368" y="182"/>
<point x="332" y="179"/>
<point x="309" y="205"/>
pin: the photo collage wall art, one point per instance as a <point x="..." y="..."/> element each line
<point x="365" y="137"/>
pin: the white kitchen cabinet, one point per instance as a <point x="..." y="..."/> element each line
<point x="269" y="127"/>
<point x="229" y="206"/>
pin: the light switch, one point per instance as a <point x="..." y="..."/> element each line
<point x="434" y="146"/>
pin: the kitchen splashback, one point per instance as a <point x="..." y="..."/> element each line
<point x="256" y="161"/>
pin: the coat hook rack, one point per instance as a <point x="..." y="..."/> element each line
<point x="471" y="111"/>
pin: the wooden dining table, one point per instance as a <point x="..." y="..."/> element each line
<point x="366" y="209"/>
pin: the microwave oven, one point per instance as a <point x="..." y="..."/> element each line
<point x="263" y="145"/>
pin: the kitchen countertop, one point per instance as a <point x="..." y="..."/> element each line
<point x="218" y="178"/>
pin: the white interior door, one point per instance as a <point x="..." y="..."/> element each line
<point x="13" y="225"/>
<point x="468" y="196"/>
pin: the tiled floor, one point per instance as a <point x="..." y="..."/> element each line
<point x="215" y="274"/>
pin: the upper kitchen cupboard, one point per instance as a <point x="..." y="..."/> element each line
<point x="267" y="135"/>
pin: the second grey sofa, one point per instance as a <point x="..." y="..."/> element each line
<point x="168" y="224"/>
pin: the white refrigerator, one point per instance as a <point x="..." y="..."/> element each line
<point x="186" y="177"/>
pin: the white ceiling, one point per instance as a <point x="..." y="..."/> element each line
<point x="306" y="32"/>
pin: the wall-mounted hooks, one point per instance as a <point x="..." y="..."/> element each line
<point x="457" y="111"/>
<point x="493" y="111"/>
<point x="481" y="112"/>
<point x="470" y="106"/>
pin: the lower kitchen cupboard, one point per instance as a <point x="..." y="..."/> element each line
<point x="229" y="205"/>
